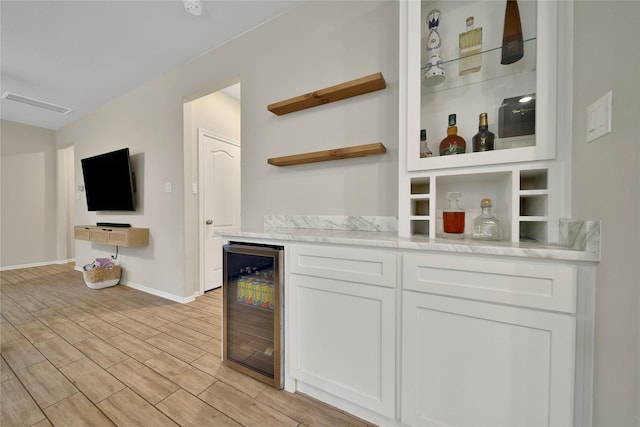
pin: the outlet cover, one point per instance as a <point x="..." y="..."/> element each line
<point x="599" y="117"/>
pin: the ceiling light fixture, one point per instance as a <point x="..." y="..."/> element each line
<point x="36" y="103"/>
<point x="194" y="7"/>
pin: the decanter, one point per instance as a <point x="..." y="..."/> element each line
<point x="453" y="217"/>
<point x="486" y="226"/>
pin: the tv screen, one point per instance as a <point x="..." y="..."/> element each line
<point x="108" y="181"/>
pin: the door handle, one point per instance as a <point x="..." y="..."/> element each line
<point x="209" y="222"/>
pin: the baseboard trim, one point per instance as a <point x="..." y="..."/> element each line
<point x="148" y="290"/>
<point x="33" y="264"/>
<point x="156" y="292"/>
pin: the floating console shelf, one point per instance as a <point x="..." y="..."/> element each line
<point x="331" y="94"/>
<point x="117" y="236"/>
<point x="335" y="154"/>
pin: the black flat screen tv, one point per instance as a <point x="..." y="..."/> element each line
<point x="109" y="181"/>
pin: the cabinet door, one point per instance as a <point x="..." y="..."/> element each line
<point x="475" y="363"/>
<point x="342" y="340"/>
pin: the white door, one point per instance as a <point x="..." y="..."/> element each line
<point x="219" y="201"/>
<point x="471" y="363"/>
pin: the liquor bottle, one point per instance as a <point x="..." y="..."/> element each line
<point x="453" y="217"/>
<point x="512" y="44"/>
<point x="452" y="144"/>
<point x="424" y="148"/>
<point x="486" y="226"/>
<point x="483" y="140"/>
<point x="470" y="48"/>
<point x="434" y="73"/>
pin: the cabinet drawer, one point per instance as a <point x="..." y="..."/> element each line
<point x="98" y="235"/>
<point x="529" y="284"/>
<point x="367" y="266"/>
<point x="118" y="238"/>
<point x="81" y="233"/>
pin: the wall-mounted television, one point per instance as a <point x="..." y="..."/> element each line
<point x="109" y="181"/>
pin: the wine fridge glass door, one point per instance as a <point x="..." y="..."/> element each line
<point x="252" y="327"/>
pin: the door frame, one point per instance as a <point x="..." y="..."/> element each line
<point x="201" y="225"/>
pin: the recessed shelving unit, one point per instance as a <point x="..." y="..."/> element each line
<point x="420" y="210"/>
<point x="521" y="197"/>
<point x="338" y="92"/>
<point x="525" y="176"/>
<point x="533" y="231"/>
<point x="533" y="205"/>
<point x="420" y="206"/>
<point x="533" y="214"/>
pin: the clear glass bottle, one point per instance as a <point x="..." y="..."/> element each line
<point x="484" y="139"/>
<point x="453" y="217"/>
<point x="424" y="148"/>
<point x="453" y="143"/>
<point x="486" y="226"/>
<point x="470" y="43"/>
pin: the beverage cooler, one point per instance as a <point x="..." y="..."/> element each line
<point x="252" y="310"/>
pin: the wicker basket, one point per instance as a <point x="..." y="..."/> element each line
<point x="100" y="277"/>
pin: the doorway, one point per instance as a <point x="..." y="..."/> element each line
<point x="219" y="172"/>
<point x="212" y="118"/>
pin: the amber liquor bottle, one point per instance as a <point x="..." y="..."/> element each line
<point x="483" y="140"/>
<point x="512" y="44"/>
<point x="453" y="143"/>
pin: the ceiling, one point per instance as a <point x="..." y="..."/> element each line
<point x="82" y="54"/>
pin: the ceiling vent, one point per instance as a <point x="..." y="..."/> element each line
<point x="35" y="103"/>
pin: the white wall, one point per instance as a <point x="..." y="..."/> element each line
<point x="28" y="195"/>
<point x="605" y="185"/>
<point x="66" y="194"/>
<point x="317" y="45"/>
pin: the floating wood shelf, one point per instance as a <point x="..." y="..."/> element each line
<point x="335" y="154"/>
<point x="334" y="93"/>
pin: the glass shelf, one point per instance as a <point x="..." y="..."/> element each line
<point x="491" y="69"/>
<point x="478" y="53"/>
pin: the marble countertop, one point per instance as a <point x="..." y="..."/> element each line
<point x="390" y="239"/>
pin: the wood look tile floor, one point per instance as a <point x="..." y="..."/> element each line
<point x="74" y="356"/>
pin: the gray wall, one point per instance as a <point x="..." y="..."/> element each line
<point x="605" y="185"/>
<point x="293" y="55"/>
<point x="314" y="46"/>
<point x="28" y="195"/>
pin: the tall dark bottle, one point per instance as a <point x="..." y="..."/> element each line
<point x="512" y="44"/>
<point x="483" y="140"/>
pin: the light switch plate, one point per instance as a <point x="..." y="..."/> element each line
<point x="168" y="187"/>
<point x="599" y="117"/>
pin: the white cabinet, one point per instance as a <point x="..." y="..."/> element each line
<point x="342" y="323"/>
<point x="487" y="342"/>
